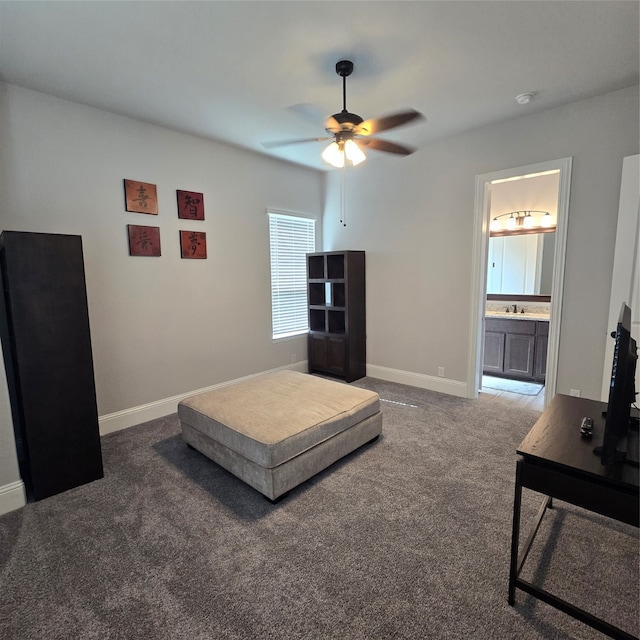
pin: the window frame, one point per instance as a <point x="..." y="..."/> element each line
<point x="300" y="278"/>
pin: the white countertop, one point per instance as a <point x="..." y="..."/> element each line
<point x="543" y="317"/>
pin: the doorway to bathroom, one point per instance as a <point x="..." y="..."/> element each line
<point x="519" y="254"/>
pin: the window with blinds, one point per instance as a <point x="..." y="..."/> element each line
<point x="290" y="239"/>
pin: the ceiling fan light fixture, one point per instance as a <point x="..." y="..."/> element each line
<point x="350" y="132"/>
<point x="334" y="155"/>
<point x="354" y="153"/>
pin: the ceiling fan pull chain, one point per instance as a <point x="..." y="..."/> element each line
<point x="343" y="220"/>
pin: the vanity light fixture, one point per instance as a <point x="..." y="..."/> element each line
<point x="521" y="222"/>
<point x="528" y="222"/>
<point x="547" y="220"/>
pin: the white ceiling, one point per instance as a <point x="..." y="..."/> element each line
<point x="251" y="72"/>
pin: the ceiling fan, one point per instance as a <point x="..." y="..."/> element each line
<point x="350" y="133"/>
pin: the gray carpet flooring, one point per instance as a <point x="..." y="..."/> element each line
<point x="405" y="538"/>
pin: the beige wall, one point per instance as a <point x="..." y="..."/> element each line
<point x="159" y="326"/>
<point x="414" y="217"/>
<point x="166" y="326"/>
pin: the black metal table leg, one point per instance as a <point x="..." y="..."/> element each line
<point x="515" y="535"/>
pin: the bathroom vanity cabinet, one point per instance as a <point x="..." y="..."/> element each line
<point x="516" y="348"/>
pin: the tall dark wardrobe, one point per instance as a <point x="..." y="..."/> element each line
<point x="44" y="323"/>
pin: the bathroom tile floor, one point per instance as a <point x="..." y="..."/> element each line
<point x="535" y="402"/>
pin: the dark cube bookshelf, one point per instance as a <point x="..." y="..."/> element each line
<point x="337" y="318"/>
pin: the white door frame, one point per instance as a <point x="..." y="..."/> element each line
<point x="479" y="262"/>
<point x="625" y="278"/>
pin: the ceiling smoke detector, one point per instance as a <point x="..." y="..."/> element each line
<point x="525" y="98"/>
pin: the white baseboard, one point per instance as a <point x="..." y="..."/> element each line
<point x="12" y="497"/>
<point x="421" y="380"/>
<point x="143" y="413"/>
<point x="136" y="415"/>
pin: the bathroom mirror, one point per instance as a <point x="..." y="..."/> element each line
<point x="521" y="264"/>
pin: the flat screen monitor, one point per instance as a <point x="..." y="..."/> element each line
<point x="619" y="445"/>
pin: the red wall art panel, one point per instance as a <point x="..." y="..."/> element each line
<point x="140" y="197"/>
<point x="143" y="241"/>
<point x="190" y="205"/>
<point x="193" y="244"/>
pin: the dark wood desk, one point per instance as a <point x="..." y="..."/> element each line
<point x="557" y="462"/>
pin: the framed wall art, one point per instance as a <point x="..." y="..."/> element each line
<point x="190" y="205"/>
<point x="143" y="241"/>
<point x="193" y="244"/>
<point x="140" y="197"/>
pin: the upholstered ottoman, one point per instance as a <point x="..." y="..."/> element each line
<point x="280" y="429"/>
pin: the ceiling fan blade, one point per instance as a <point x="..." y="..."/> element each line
<point x="376" y="125"/>
<point x="332" y="125"/>
<point x="284" y="143"/>
<point x="384" y="145"/>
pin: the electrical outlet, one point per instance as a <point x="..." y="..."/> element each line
<point x="441" y="372"/>
<point x="293" y="357"/>
<point x="575" y="393"/>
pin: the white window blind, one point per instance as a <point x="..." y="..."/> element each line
<point x="290" y="238"/>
